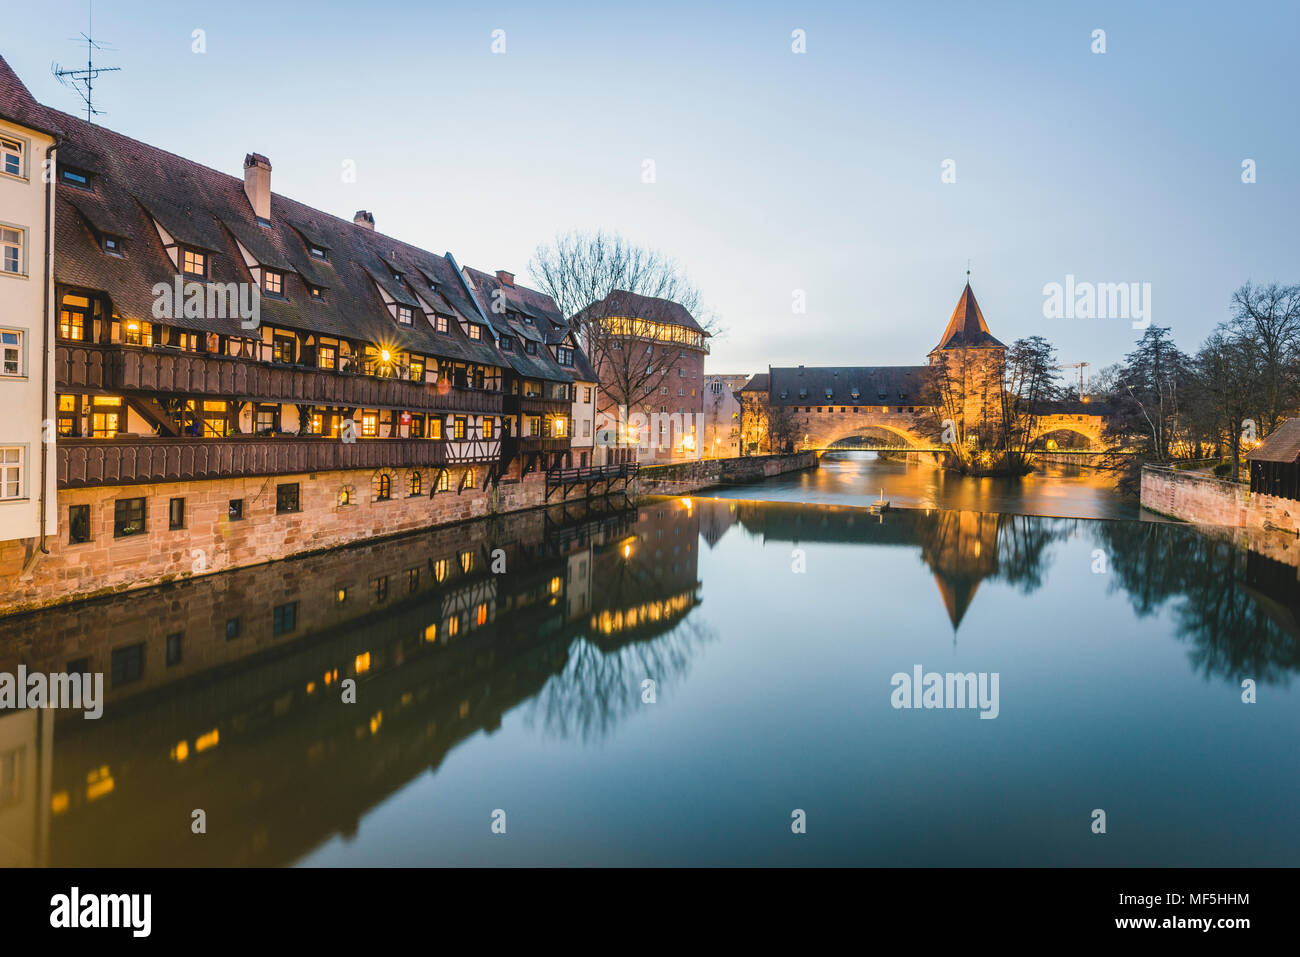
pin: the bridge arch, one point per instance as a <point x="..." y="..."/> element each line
<point x="888" y="435"/>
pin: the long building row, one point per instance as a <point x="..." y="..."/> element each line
<point x="198" y="372"/>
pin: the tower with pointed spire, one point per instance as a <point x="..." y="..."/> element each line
<point x="968" y="367"/>
<point x="967" y="328"/>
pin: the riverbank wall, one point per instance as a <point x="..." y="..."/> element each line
<point x="684" y="478"/>
<point x="1205" y="500"/>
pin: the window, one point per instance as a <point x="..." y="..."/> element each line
<point x="467" y="561"/>
<point x="468" y="482"/>
<point x="435" y="427"/>
<point x="232" y="629"/>
<point x="412" y="579"/>
<point x="417" y="426"/>
<point x="11" y="250"/>
<point x="586" y="394"/>
<point x="176" y="514"/>
<point x="369" y="425"/>
<point x="559" y="427"/>
<point x="105" y="416"/>
<point x="284" y="618"/>
<point x="317" y="252"/>
<point x="135" y="333"/>
<point x="194" y="263"/>
<point x="404" y="315"/>
<point x="475" y="332"/>
<point x="444" y="483"/>
<point x="416" y="485"/>
<point x="507" y="344"/>
<point x="441" y="569"/>
<point x="286" y="498"/>
<point x="380" y="586"/>
<point x="72" y="316"/>
<point x="440" y="323"/>
<point x="235" y="509"/>
<point x="530" y="347"/>
<point x="11" y="472"/>
<point x="282" y="349"/>
<point x="128" y="517"/>
<point x="384" y="488"/>
<point x="566" y="356"/>
<point x="488" y="426"/>
<point x="174" y="648"/>
<point x="345" y="496"/>
<point x="417" y="370"/>
<point x="11" y="157"/>
<point x="264" y="418"/>
<point x="340" y="595"/>
<point x="316" y="292"/>
<point x="11" y="352"/>
<point x="128" y="664"/>
<point x="273" y="282"/>
<point x="112" y="245"/>
<point x="327" y="357"/>
<point x="78" y="524"/>
<point x="458" y="427"/>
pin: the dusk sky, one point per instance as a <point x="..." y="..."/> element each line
<point x="774" y="171"/>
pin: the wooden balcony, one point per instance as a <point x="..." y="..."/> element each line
<point x="138" y="460"/>
<point x="133" y="369"/>
<point x="536" y="405"/>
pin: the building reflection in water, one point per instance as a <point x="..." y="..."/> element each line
<point x="223" y="692"/>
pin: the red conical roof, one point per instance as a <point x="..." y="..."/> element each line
<point x="967" y="329"/>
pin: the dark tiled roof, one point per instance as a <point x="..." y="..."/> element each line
<point x="756" y="383"/>
<point x="135" y="185"/>
<point x="547" y="327"/>
<point x="1282" y="445"/>
<point x="967" y="329"/>
<point x="875" y="385"/>
<point x="631" y="305"/>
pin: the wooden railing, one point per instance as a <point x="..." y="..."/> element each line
<point x="536" y="405"/>
<point x="135" y="460"/>
<point x="118" y="368"/>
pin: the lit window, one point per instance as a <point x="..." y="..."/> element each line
<point x="466" y="561"/>
<point x="11" y="472"/>
<point x="136" y="333"/>
<point x="11" y="157"/>
<point x="326" y="357"/>
<point x="475" y="332"/>
<point x="11" y="352"/>
<point x="317" y="292"/>
<point x="416" y="484"/>
<point x="443" y="485"/>
<point x="417" y="370"/>
<point x="194" y="263"/>
<point x="404" y="315"/>
<point x="458" y="427"/>
<point x="369" y="425"/>
<point x="384" y="488"/>
<point x="11" y="250"/>
<point x="435" y="427"/>
<point x="440" y="323"/>
<point x="274" y="282"/>
<point x="488" y="425"/>
<point x="559" y="427"/>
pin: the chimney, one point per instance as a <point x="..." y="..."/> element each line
<point x="257" y="185"/>
<point x="364" y="219"/>
<point x="505" y="278"/>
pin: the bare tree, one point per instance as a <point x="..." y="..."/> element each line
<point x="581" y="272"/>
<point x="1269" y="316"/>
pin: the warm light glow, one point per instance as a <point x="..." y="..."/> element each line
<point x="209" y="740"/>
<point x="431" y="632"/>
<point x="385" y="355"/>
<point x="362" y="663"/>
<point x="59" y="803"/>
<point x="627" y="551"/>
<point x="556" y="584"/>
<point x="311" y="687"/>
<point x="181" y="751"/>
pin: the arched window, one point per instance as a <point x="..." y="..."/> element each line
<point x="444" y="484"/>
<point x="345" y="495"/>
<point x="468" y="481"/>
<point x="417" y="483"/>
<point x="384" y="488"/>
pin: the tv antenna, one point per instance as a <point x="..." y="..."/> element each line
<point x="83" y="81"/>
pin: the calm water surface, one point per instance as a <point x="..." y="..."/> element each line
<point x="523" y="692"/>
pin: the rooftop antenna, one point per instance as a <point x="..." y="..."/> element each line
<point x="968" y="272"/>
<point x="83" y="81"/>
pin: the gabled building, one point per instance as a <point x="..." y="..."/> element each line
<point x="234" y="376"/>
<point x="551" y="391"/>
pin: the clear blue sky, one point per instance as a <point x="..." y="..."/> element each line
<point x="775" y="171"/>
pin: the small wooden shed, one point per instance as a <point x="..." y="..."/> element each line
<point x="1275" y="462"/>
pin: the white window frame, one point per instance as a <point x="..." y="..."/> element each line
<point x="6" y="466"/>
<point x="21" y="246"/>
<point x="20" y="348"/>
<point x="21" y="146"/>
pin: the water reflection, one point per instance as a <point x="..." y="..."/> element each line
<point x="242" y="716"/>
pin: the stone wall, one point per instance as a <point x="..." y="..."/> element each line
<point x="686" y="477"/>
<point x="210" y="541"/>
<point x="1209" y="501"/>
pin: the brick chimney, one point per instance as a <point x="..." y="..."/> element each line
<point x="505" y="278"/>
<point x="257" y="185"/>
<point x="364" y="218"/>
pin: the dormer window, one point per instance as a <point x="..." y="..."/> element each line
<point x="530" y="347"/>
<point x="507" y="344"/>
<point x="316" y="292"/>
<point x="317" y="252"/>
<point x="11" y="157"/>
<point x="194" y="263"/>
<point x="273" y="282"/>
<point x="855" y="393"/>
<point x="404" y="315"/>
<point x="75" y="178"/>
<point x="440" y="323"/>
<point x="565" y="356"/>
<point x="829" y="393"/>
<point x="112" y="245"/>
<point x="475" y="332"/>
<point x="803" y="393"/>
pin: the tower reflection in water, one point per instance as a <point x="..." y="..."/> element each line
<point x="224" y="693"/>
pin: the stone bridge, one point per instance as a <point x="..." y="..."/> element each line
<point x="825" y="426"/>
